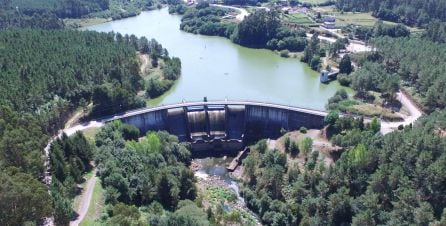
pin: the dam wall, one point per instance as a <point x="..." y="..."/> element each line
<point x="224" y="126"/>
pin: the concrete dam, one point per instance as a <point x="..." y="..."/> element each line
<point x="222" y="125"/>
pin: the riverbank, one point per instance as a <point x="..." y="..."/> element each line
<point x="218" y="192"/>
<point x="155" y="83"/>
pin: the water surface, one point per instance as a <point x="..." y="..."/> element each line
<point x="215" y="68"/>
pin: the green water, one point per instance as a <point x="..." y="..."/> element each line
<point x="215" y="68"/>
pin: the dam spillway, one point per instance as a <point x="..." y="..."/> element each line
<point x="222" y="125"/>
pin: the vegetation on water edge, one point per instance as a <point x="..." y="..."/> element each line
<point x="261" y="29"/>
<point x="219" y="194"/>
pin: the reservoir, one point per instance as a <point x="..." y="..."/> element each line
<point x="215" y="68"/>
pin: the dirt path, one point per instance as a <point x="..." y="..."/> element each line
<point x="414" y="114"/>
<point x="86" y="196"/>
<point x="69" y="131"/>
<point x="144" y="62"/>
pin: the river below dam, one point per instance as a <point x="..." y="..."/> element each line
<point x="218" y="69"/>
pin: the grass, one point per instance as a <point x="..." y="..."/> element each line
<point x="374" y="111"/>
<point x="367" y="109"/>
<point x="96" y="206"/>
<point x="217" y="194"/>
<point x="84" y="22"/>
<point x="90" y="133"/>
<point x="297" y="18"/>
<point x="357" y="18"/>
<point x="363" y="19"/>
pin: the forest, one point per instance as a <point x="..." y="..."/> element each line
<point x="397" y="179"/>
<point x="37" y="76"/>
<point x="152" y="172"/>
<point x="49" y="14"/>
<point x="410" y="12"/>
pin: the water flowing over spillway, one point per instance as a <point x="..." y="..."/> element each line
<point x="215" y="68"/>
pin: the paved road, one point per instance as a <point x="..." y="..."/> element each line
<point x="84" y="204"/>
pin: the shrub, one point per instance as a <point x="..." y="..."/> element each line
<point x="285" y="53"/>
<point x="344" y="79"/>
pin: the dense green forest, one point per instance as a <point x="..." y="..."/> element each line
<point x="23" y="197"/>
<point x="70" y="159"/>
<point x="397" y="179"/>
<point x="48" y="14"/>
<point x="152" y="172"/>
<point x="47" y="72"/>
<point x="410" y="12"/>
<point x="62" y="8"/>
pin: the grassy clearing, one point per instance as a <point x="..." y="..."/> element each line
<point x="90" y="133"/>
<point x="363" y="19"/>
<point x="96" y="206"/>
<point x="84" y="22"/>
<point x="297" y="18"/>
<point x="357" y="18"/>
<point x="371" y="110"/>
<point x="345" y="18"/>
<point x="374" y="109"/>
<point x="148" y="71"/>
<point x="217" y="194"/>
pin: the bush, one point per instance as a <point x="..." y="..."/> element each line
<point x="344" y="79"/>
<point x="315" y="62"/>
<point x="156" y="87"/>
<point x="303" y="130"/>
<point x="287" y="144"/>
<point x="285" y="53"/>
<point x="129" y="132"/>
<point x="294" y="148"/>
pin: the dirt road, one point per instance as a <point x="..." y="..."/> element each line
<point x="242" y="12"/>
<point x="84" y="204"/>
<point x="414" y="114"/>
